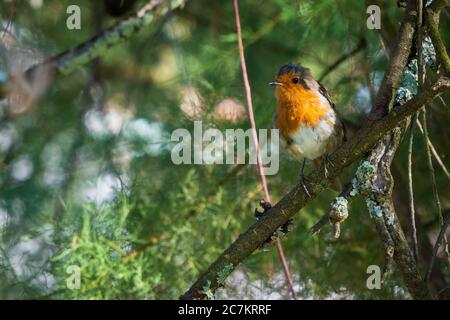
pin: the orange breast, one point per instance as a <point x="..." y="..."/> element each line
<point x="299" y="108"/>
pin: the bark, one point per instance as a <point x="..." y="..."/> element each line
<point x="386" y="219"/>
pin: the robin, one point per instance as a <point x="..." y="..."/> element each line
<point x="310" y="128"/>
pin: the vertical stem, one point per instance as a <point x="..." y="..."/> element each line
<point x="420" y="60"/>
<point x="435" y="193"/>
<point x="439" y="239"/>
<point x="412" y="217"/>
<point x="262" y="177"/>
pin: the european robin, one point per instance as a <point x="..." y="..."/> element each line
<point x="310" y="128"/>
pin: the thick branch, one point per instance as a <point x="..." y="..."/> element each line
<point x="381" y="208"/>
<point x="316" y="182"/>
<point x="399" y="57"/>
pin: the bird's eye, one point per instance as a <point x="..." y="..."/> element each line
<point x="295" y="80"/>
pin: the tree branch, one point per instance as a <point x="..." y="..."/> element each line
<point x="432" y="22"/>
<point x="381" y="208"/>
<point x="437" y="201"/>
<point x="412" y="211"/>
<point x="438" y="243"/>
<point x="434" y="151"/>
<point x="398" y="59"/>
<point x="248" y="94"/>
<point x="67" y="62"/>
<point x="361" y="45"/>
<point x="316" y="182"/>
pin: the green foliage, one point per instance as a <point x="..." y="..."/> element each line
<point x="109" y="266"/>
<point x="87" y="179"/>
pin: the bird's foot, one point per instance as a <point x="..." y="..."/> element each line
<point x="302" y="183"/>
<point x="327" y="162"/>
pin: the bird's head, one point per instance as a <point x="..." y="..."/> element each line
<point x="292" y="79"/>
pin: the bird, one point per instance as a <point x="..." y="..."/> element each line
<point x="306" y="117"/>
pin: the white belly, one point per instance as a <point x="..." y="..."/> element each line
<point x="311" y="143"/>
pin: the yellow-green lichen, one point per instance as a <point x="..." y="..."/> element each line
<point x="363" y="177"/>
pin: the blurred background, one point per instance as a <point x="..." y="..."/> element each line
<point x="86" y="177"/>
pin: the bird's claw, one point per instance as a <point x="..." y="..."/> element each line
<point x="302" y="183"/>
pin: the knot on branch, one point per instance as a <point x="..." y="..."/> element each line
<point x="361" y="184"/>
<point x="337" y="215"/>
<point x="339" y="210"/>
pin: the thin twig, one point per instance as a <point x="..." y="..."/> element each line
<point x="319" y="224"/>
<point x="361" y="45"/>
<point x="421" y="74"/>
<point x="434" y="152"/>
<point x="412" y="218"/>
<point x="441" y="236"/>
<point x="420" y="59"/>
<point x="431" y="19"/>
<point x="326" y="217"/>
<point x="434" y="185"/>
<point x="256" y="143"/>
<point x="10" y="20"/>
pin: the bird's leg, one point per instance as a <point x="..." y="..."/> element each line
<point x="326" y="162"/>
<point x="302" y="178"/>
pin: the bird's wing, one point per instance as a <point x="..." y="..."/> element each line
<point x="323" y="91"/>
<point x="340" y="124"/>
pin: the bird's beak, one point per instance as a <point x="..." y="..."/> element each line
<point x="275" y="83"/>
